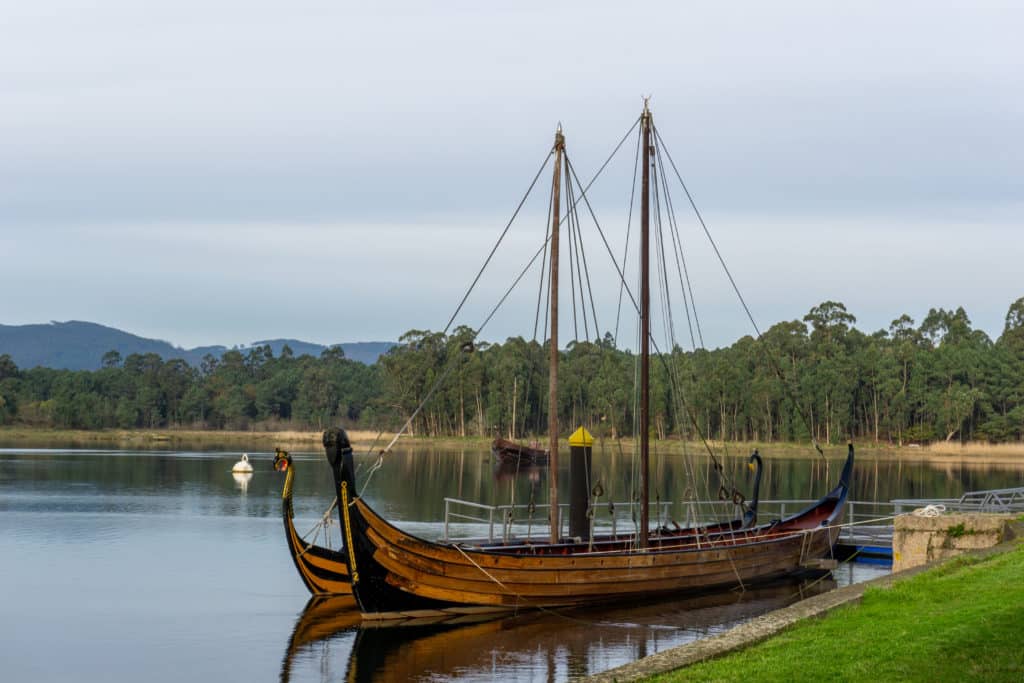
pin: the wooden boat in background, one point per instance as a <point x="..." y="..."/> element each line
<point x="518" y="454"/>
<point x="323" y="571"/>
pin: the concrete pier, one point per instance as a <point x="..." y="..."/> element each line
<point x="920" y="540"/>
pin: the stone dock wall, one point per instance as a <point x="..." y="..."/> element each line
<point x="921" y="540"/>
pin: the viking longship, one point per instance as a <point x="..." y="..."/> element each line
<point x="324" y="571"/>
<point x="396" y="575"/>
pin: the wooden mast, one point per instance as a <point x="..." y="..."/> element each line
<point x="553" y="372"/>
<point x="645" y="326"/>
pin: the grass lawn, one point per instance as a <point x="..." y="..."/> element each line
<point x="963" y="621"/>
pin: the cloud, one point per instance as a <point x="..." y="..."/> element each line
<point x="229" y="171"/>
<point x="240" y="111"/>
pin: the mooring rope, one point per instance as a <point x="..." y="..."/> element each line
<point x="323" y="524"/>
<point x="486" y="573"/>
<point x="736" y="571"/>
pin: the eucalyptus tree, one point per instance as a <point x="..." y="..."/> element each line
<point x="940" y="380"/>
<point x="10" y="381"/>
<point x="831" y="372"/>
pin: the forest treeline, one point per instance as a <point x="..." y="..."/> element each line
<point x="939" y="380"/>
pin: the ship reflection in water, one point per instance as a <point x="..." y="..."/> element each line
<point x="328" y="643"/>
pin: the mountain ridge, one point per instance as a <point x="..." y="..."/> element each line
<point x="80" y="345"/>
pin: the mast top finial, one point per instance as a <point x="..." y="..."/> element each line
<point x="559" y="138"/>
<point x="647" y="102"/>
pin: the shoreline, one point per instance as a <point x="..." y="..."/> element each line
<point x="939" y="452"/>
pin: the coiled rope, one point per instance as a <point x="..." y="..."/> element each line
<point x="930" y="510"/>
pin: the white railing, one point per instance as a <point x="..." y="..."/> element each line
<point x="524" y="522"/>
<point x="867" y="522"/>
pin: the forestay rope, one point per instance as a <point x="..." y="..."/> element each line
<point x="743" y="303"/>
<point x="636" y="306"/>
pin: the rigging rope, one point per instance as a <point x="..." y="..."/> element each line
<point x="498" y="243"/>
<point x="543" y="272"/>
<point x="575" y="248"/>
<point x="440" y="379"/>
<point x="629" y="225"/>
<point x="572" y="280"/>
<point x="586" y="274"/>
<point x="636" y="306"/>
<point x="678" y="394"/>
<point x="771" y="358"/>
<point x="680" y="258"/>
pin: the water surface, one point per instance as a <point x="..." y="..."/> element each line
<point x="154" y="565"/>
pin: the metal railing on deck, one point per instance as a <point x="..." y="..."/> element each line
<point x="524" y="522"/>
<point x="866" y="522"/>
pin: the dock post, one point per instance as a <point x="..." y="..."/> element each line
<point x="580" y="451"/>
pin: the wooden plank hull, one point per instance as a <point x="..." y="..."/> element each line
<point x="474" y="576"/>
<point x="395" y="574"/>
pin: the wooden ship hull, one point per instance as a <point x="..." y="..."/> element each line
<point x="396" y="575"/>
<point x="323" y="571"/>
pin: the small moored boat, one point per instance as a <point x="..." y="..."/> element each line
<point x="518" y="454"/>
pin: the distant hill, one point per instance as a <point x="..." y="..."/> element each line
<point x="364" y="352"/>
<point x="77" y="345"/>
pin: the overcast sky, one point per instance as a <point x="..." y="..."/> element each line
<point x="221" y="172"/>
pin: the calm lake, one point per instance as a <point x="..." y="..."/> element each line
<point x="159" y="565"/>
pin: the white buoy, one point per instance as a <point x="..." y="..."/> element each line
<point x="243" y="465"/>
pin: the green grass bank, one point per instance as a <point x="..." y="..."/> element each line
<point x="961" y="621"/>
